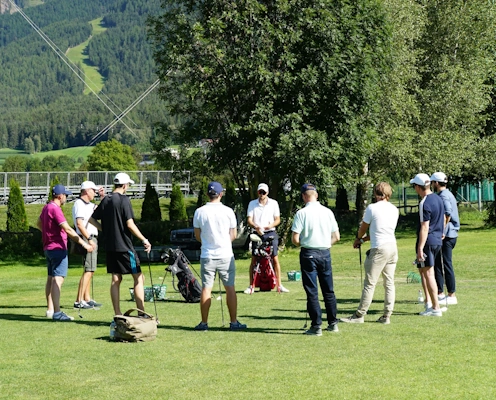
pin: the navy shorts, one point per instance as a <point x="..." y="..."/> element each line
<point x="431" y="253"/>
<point x="123" y="263"/>
<point x="275" y="241"/>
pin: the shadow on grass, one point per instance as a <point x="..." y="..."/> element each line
<point x="284" y="331"/>
<point x="37" y="318"/>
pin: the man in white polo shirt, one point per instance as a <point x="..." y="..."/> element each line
<point x="264" y="216"/>
<point x="215" y="227"/>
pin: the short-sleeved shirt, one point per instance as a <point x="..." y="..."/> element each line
<point x="83" y="210"/>
<point x="53" y="236"/>
<point x="263" y="215"/>
<point x="215" y="220"/>
<point x="431" y="208"/>
<point x="114" y="211"/>
<point x="382" y="218"/>
<point x="451" y="210"/>
<point x="315" y="224"/>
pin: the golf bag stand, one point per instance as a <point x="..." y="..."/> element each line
<point x="264" y="276"/>
<point x="180" y="267"/>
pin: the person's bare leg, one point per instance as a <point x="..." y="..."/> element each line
<point x="423" y="277"/>
<point x="232" y="302"/>
<point x="115" y="286"/>
<point x="139" y="291"/>
<point x="86" y="286"/>
<point x="277" y="269"/>
<point x="205" y="302"/>
<point x="431" y="286"/>
<point x="56" y="286"/>
<point x="48" y="293"/>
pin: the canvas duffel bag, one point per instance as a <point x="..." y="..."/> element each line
<point x="135" y="328"/>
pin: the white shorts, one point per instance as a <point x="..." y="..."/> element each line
<point x="224" y="266"/>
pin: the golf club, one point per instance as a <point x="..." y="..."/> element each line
<point x="361" y="273"/>
<point x="221" y="304"/>
<point x="153" y="290"/>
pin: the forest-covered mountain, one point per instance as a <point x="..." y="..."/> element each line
<point x="42" y="99"/>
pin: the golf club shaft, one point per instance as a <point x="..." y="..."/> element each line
<point x="153" y="290"/>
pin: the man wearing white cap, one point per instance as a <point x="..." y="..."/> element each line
<point x="429" y="241"/>
<point x="81" y="213"/>
<point x="118" y="227"/>
<point x="452" y="226"/>
<point x="264" y="216"/>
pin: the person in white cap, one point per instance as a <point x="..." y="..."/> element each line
<point x="264" y="216"/>
<point x="429" y="241"/>
<point x="452" y="226"/>
<point x="81" y="213"/>
<point x="118" y="227"/>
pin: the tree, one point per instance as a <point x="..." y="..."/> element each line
<point x="286" y="90"/>
<point x="177" y="209"/>
<point x="150" y="210"/>
<point x="111" y="156"/>
<point x="17" y="220"/>
<point x="15" y="164"/>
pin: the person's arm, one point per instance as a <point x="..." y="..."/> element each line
<point x="95" y="223"/>
<point x="75" y="237"/>
<point x="39" y="224"/>
<point x="335" y="237"/>
<point x="277" y="221"/>
<point x="198" y="234"/>
<point x="255" y="226"/>
<point x="424" y="231"/>
<point x="233" y="233"/>
<point x="136" y="232"/>
<point x="295" y="238"/>
<point x="360" y="238"/>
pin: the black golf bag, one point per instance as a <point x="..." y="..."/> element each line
<point x="179" y="266"/>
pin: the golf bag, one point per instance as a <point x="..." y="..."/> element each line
<point x="264" y="276"/>
<point x="179" y="266"/>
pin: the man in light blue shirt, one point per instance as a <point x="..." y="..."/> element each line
<point x="452" y="226"/>
<point x="315" y="229"/>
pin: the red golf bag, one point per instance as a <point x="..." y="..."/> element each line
<point x="264" y="276"/>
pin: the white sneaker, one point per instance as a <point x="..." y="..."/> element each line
<point x="431" y="313"/>
<point x="282" y="289"/>
<point x="49" y="314"/>
<point x="249" y="290"/>
<point x="452" y="300"/>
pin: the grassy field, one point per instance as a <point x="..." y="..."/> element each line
<point x="415" y="357"/>
<point x="78" y="54"/>
<point x="73" y="152"/>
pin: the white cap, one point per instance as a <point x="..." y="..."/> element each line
<point x="421" y="180"/>
<point x="122" y="178"/>
<point x="264" y="187"/>
<point x="88" y="185"/>
<point x="439" y="177"/>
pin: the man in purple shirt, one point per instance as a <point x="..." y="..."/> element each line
<point x="55" y="229"/>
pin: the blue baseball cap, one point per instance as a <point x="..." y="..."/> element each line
<point x="60" y="189"/>
<point x="214" y="188"/>
<point x="308" y="186"/>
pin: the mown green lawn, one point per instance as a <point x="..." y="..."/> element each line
<point x="415" y="357"/>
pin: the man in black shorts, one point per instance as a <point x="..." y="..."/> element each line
<point x="429" y="241"/>
<point x="117" y="220"/>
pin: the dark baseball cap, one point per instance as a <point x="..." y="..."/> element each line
<point x="60" y="189"/>
<point x="308" y="186"/>
<point x="214" y="188"/>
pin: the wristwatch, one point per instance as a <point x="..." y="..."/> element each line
<point x="91" y="237"/>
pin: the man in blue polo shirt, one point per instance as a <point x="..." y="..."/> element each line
<point x="429" y="241"/>
<point x="315" y="229"/>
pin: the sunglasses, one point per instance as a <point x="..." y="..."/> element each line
<point x="262" y="192"/>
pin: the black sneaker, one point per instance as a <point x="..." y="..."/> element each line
<point x="333" y="327"/>
<point x="202" y="326"/>
<point x="82" y="304"/>
<point x="236" y="326"/>
<point x="93" y="303"/>
<point x="314" y="331"/>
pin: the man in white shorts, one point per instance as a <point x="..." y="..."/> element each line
<point x="215" y="227"/>
<point x="380" y="220"/>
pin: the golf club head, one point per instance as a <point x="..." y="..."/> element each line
<point x="255" y="238"/>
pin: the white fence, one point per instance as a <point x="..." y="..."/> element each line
<point x="36" y="185"/>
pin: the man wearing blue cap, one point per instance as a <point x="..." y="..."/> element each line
<point x="215" y="227"/>
<point x="315" y="229"/>
<point x="55" y="229"/>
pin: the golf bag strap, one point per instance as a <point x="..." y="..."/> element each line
<point x="130" y="311"/>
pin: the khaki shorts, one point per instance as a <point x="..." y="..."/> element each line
<point x="224" y="266"/>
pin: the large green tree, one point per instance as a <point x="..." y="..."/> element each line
<point x="111" y="156"/>
<point x="287" y="90"/>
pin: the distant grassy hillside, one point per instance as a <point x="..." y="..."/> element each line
<point x="73" y="152"/>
